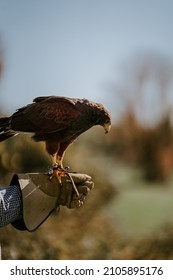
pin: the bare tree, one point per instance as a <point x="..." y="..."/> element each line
<point x="146" y="86"/>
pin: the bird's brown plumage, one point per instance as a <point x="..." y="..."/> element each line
<point x="56" y="120"/>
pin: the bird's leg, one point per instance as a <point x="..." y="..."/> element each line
<point x="52" y="148"/>
<point x="56" y="169"/>
<point x="64" y="172"/>
<point x="59" y="162"/>
<point x="60" y="155"/>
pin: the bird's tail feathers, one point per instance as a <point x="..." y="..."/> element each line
<point x="4" y="123"/>
<point x="6" y="135"/>
<point x="5" y="131"/>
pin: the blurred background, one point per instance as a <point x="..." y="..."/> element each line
<point x="119" y="53"/>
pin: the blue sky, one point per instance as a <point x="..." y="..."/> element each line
<point x="76" y="47"/>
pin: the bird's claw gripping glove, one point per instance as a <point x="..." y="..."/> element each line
<point x="41" y="197"/>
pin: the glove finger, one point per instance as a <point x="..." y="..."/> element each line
<point x="80" y="178"/>
<point x="76" y="203"/>
<point x="84" y="190"/>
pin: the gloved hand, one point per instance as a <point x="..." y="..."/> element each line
<point x="42" y="196"/>
<point x="68" y="196"/>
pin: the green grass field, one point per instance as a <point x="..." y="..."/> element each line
<point x="140" y="207"/>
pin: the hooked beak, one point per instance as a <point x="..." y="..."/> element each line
<point x="107" y="127"/>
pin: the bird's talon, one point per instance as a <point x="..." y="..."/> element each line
<point x="60" y="172"/>
<point x="57" y="173"/>
<point x="50" y="170"/>
<point x="55" y="166"/>
<point x="67" y="168"/>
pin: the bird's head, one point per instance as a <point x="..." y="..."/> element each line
<point x="97" y="114"/>
<point x="107" y="126"/>
<point x="104" y="118"/>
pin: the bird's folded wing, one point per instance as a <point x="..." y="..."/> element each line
<point x="47" y="117"/>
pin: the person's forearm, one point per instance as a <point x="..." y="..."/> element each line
<point x="10" y="205"/>
<point x="32" y="197"/>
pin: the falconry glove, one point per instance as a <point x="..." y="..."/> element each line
<point x="68" y="196"/>
<point x="41" y="197"/>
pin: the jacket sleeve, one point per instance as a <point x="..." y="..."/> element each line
<point x="10" y="205"/>
<point x="39" y="198"/>
<point x="32" y="197"/>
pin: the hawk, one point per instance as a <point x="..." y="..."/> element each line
<point x="57" y="121"/>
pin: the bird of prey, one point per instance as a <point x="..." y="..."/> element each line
<point x="57" y="121"/>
